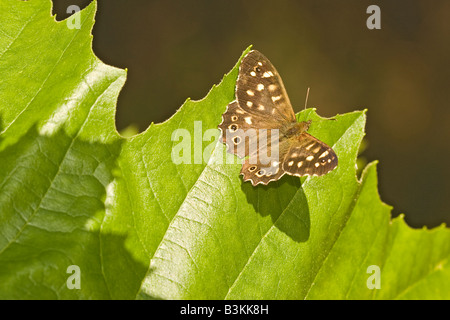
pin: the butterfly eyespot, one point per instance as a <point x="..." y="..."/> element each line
<point x="258" y="69"/>
<point x="261" y="172"/>
<point x="323" y="160"/>
<point x="236" y="140"/>
<point x="234" y="118"/>
<point x="233" y="127"/>
<point x="253" y="168"/>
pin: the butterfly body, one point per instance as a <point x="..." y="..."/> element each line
<point x="260" y="126"/>
<point x="295" y="128"/>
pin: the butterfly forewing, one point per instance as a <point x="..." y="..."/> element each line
<point x="260" y="90"/>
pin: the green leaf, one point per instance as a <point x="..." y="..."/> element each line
<point x="75" y="192"/>
<point x="58" y="150"/>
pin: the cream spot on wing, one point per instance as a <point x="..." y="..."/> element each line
<point x="248" y="120"/>
<point x="250" y="93"/>
<point x="260" y="87"/>
<point x="253" y="73"/>
<point x="261" y="107"/>
<point x="310" y="146"/>
<point x="324" y="154"/>
<point x="249" y="104"/>
<point x="260" y="63"/>
<point x="329" y="160"/>
<point x="272" y="87"/>
<point x="276" y="98"/>
<point x="294" y="154"/>
<point x="300" y="164"/>
<point x="290" y="163"/>
<point x="316" y="164"/>
<point x="316" y="149"/>
<point x="309" y="158"/>
<point x="239" y="111"/>
<point x="267" y="74"/>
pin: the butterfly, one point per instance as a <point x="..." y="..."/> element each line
<point x="261" y="121"/>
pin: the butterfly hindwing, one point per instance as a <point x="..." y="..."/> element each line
<point x="257" y="171"/>
<point x="309" y="156"/>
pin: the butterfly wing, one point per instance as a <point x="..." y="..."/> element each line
<point x="261" y="103"/>
<point x="240" y="130"/>
<point x="260" y="90"/>
<point x="262" y="173"/>
<point x="308" y="156"/>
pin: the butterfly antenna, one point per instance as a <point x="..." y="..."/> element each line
<point x="306" y="100"/>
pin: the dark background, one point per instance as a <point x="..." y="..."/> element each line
<point x="178" y="49"/>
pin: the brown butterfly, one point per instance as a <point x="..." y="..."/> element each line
<point x="261" y="121"/>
